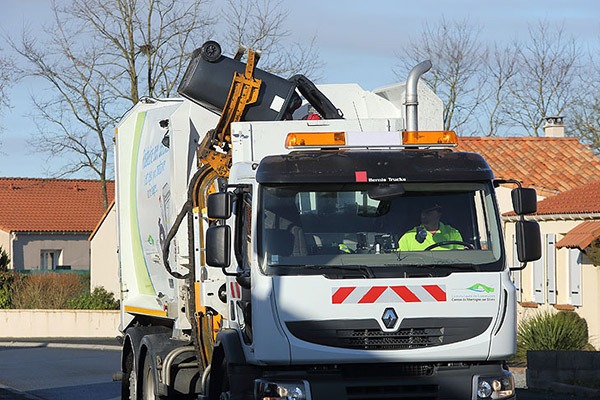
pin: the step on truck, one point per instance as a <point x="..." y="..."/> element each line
<point x="276" y="242"/>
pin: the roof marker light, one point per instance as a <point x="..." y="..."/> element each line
<point x="315" y="139"/>
<point x="429" y="138"/>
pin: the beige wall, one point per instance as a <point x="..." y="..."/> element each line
<point x="75" y="250"/>
<point x="504" y="200"/>
<point x="59" y="323"/>
<point x="104" y="259"/>
<point x="590" y="279"/>
<point x="5" y="243"/>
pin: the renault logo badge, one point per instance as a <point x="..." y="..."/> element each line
<point x="389" y="318"/>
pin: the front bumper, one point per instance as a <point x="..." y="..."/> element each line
<point x="391" y="381"/>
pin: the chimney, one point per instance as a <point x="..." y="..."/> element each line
<point x="554" y="127"/>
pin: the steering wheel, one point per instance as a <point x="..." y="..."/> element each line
<point x="446" y="242"/>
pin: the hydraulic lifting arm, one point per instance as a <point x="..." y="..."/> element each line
<point x="214" y="161"/>
<point x="215" y="148"/>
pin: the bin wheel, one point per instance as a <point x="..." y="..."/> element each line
<point x="210" y="51"/>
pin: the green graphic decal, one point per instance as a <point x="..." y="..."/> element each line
<point x="141" y="271"/>
<point x="480" y="287"/>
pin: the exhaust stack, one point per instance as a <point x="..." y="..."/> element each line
<point x="412" y="101"/>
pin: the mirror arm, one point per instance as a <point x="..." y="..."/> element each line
<point x="224" y="269"/>
<point x="522" y="267"/>
<point x="498" y="182"/>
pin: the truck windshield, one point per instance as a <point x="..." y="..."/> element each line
<point x="379" y="230"/>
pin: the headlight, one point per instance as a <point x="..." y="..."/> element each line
<point x="290" y="390"/>
<point x="495" y="387"/>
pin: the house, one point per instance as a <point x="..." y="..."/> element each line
<point x="567" y="277"/>
<point x="566" y="176"/>
<point x="45" y="223"/>
<point x="104" y="261"/>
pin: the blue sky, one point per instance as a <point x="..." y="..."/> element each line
<point x="358" y="41"/>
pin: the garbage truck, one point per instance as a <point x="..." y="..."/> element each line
<point x="276" y="241"/>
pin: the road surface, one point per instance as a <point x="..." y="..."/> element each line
<point x="56" y="373"/>
<point x="45" y="371"/>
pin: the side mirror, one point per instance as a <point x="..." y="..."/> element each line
<point x="218" y="246"/>
<point x="219" y="205"/>
<point x="524" y="200"/>
<point x="529" y="241"/>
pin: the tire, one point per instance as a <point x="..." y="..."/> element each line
<point x="218" y="381"/>
<point x="148" y="382"/>
<point x="210" y="51"/>
<point x="148" y="385"/>
<point x="129" y="380"/>
<point x="133" y="384"/>
<point x="222" y="382"/>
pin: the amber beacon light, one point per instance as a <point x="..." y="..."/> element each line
<point x="431" y="138"/>
<point x="315" y="139"/>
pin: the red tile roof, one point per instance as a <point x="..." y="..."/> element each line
<point x="584" y="199"/>
<point x="51" y="205"/>
<point x="551" y="165"/>
<point x="581" y="236"/>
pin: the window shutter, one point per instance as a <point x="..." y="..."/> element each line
<point x="575" y="276"/>
<point x="538" y="281"/>
<point x="551" y="267"/>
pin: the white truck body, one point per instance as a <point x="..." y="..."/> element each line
<point x="148" y="173"/>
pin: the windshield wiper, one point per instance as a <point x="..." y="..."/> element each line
<point x="366" y="271"/>
<point x="461" y="266"/>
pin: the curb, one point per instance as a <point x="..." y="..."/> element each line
<point x="9" y="393"/>
<point x="59" y="345"/>
<point x="579" y="391"/>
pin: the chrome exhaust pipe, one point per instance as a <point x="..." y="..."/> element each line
<point x="412" y="100"/>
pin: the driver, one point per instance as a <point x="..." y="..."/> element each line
<point x="430" y="232"/>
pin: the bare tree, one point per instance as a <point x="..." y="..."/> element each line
<point x="586" y="123"/>
<point x="543" y="84"/>
<point x="99" y="58"/>
<point x="456" y="77"/>
<point x="74" y="123"/>
<point x="7" y="76"/>
<point x="260" y="25"/>
<point x="584" y="111"/>
<point x="500" y="68"/>
<point x="145" y="44"/>
<point x="6" y="79"/>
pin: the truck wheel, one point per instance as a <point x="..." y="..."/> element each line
<point x="210" y="51"/>
<point x="132" y="385"/>
<point x="218" y="388"/>
<point x="128" y="380"/>
<point x="225" y="395"/>
<point x="148" y="381"/>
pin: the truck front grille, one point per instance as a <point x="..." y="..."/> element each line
<point x="392" y="392"/>
<point x="413" y="333"/>
<point x="376" y="339"/>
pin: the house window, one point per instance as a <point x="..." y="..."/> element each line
<point x="50" y="259"/>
